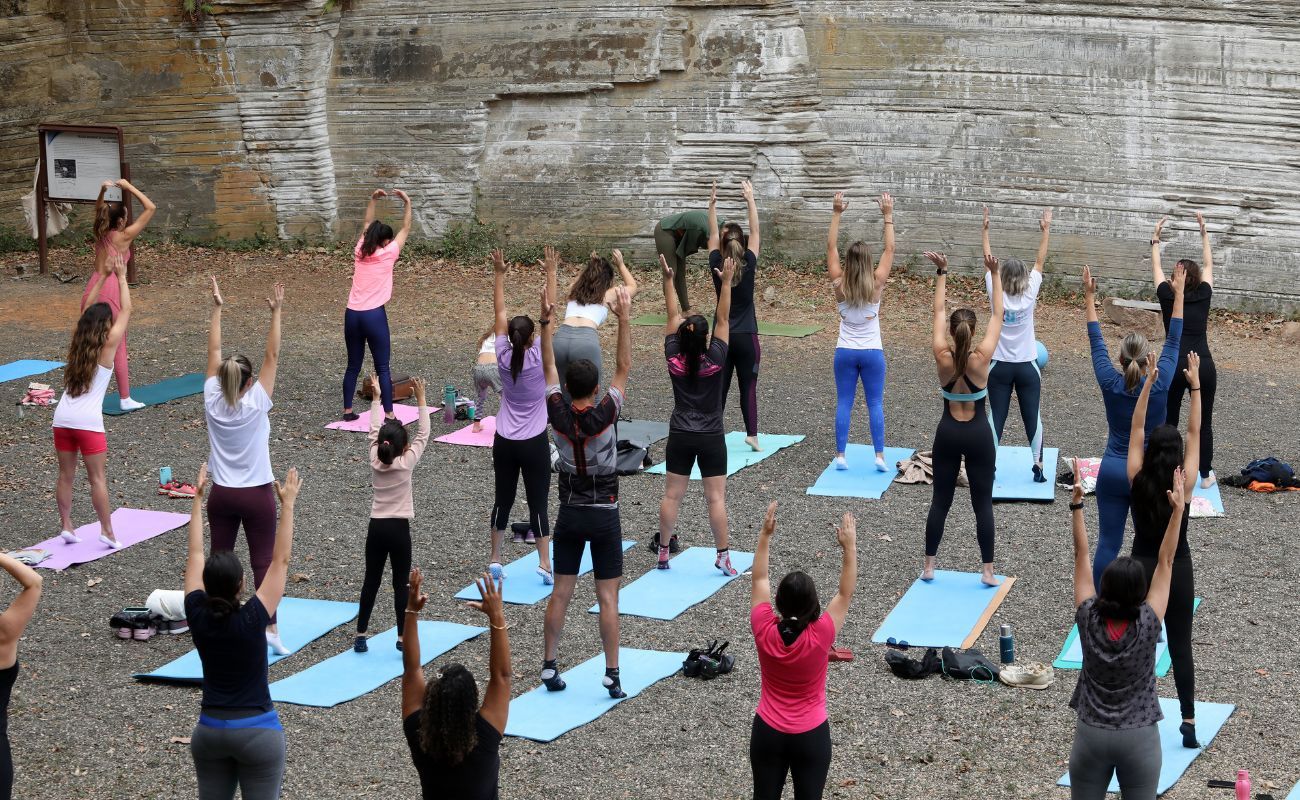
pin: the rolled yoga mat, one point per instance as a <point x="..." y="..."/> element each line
<point x="949" y="611"/>
<point x="156" y="393"/>
<point x="130" y="525"/>
<point x="523" y="586"/>
<point x="691" y="579"/>
<point x="739" y="454"/>
<point x="861" y="479"/>
<point x="1014" y="479"/>
<point x="1071" y="656"/>
<point x="764" y="328"/>
<point x="26" y="368"/>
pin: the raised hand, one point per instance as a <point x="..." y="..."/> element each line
<point x="727" y="272"/>
<point x="373" y="382"/>
<point x="216" y="292"/>
<point x="986" y="217"/>
<point x="713" y="194"/>
<point x="276" y="300"/>
<point x="1046" y="221"/>
<point x="1200" y="220"/>
<point x="378" y="193"/>
<point x="769" y="521"/>
<point x="116" y="264"/>
<point x="403" y="195"/>
<point x="491" y="594"/>
<point x="1193" y="371"/>
<point x="1089" y="284"/>
<point x="839" y="205"/>
<point x="747" y="189"/>
<point x="550" y="260"/>
<point x="1076" y="492"/>
<point x="201" y="482"/>
<point x="1180" y="278"/>
<point x="667" y="270"/>
<point x="288" y="491"/>
<point x="938" y="259"/>
<point x="419" y="390"/>
<point x="1155" y="237"/>
<point x="886" y="203"/>
<point x="1176" y="492"/>
<point x="1153" y="368"/>
<point x="617" y="258"/>
<point x="415" y="599"/>
<point x="622" y="304"/>
<point x="847" y="532"/>
<point x="498" y="261"/>
<point x="547" y="306"/>
<point x="991" y="264"/>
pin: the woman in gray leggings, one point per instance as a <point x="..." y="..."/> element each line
<point x="238" y="742"/>
<point x="1115" y="698"/>
<point x="589" y="297"/>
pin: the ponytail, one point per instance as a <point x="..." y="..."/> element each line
<point x="392" y="441"/>
<point x="223" y="576"/>
<point x="520" y="333"/>
<point x="693" y="336"/>
<point x="1132" y="355"/>
<point x="734" y="244"/>
<point x="797" y="604"/>
<point x="108" y="215"/>
<point x="375" y="237"/>
<point x="962" y="327"/>
<point x="234" y="372"/>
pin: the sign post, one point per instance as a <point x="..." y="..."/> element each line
<point x="75" y="162"/>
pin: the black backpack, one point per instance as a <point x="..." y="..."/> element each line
<point x="1269" y="470"/>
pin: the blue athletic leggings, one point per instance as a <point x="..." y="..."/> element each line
<point x="1024" y="377"/>
<point x="1112" y="512"/>
<point x="362" y="329"/>
<point x="867" y="366"/>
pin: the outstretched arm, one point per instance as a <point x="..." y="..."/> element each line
<point x="1045" y="225"/>
<point x="194" y="561"/>
<point x="1157" y="274"/>
<point x="629" y="280"/>
<point x="370" y="209"/>
<point x="747" y="189"/>
<point x="833" y="268"/>
<point x="272" y="589"/>
<point x="847" y="534"/>
<point x="15" y="618"/>
<point x="1158" y="592"/>
<point x="722" y="323"/>
<point x="400" y="238"/>
<point x="496" y="698"/>
<point x="1207" y="254"/>
<point x="760" y="583"/>
<point x="984" y="235"/>
<point x="271" y="359"/>
<point x="886" y="264"/>
<point x="1102" y="367"/>
<point x="502" y="322"/>
<point x="623" y="364"/>
<point x="137" y="226"/>
<point x="1137" y="429"/>
<point x="115" y="333"/>
<point x="715" y="236"/>
<point x="413" y="685"/>
<point x="1083" y="584"/>
<point x="1192" y="449"/>
<point x="994" y="331"/>
<point x="939" y="337"/>
<point x="214" y="331"/>
<point x="546" y="319"/>
<point x="670" y="298"/>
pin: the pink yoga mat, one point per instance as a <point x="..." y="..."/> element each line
<point x="131" y="525"/>
<point x="468" y="437"/>
<point x="407" y="414"/>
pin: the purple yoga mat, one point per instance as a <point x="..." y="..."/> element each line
<point x="468" y="437"/>
<point x="131" y="525"/>
<point x="407" y="414"/>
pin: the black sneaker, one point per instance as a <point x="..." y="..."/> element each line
<point x="673" y="546"/>
<point x="360" y="646"/>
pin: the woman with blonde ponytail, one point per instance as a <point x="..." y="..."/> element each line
<point x="239" y="432"/>
<point x="743" y="351"/>
<point x="964" y="430"/>
<point x="1120" y="390"/>
<point x="79" y="415"/>
<point x="113" y="237"/>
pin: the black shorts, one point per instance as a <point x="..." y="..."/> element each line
<point x="685" y="449"/>
<point x="575" y="526"/>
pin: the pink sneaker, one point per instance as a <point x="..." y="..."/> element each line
<point x="723" y="563"/>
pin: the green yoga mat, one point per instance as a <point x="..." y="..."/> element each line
<point x="1071" y="656"/>
<point x="161" y="392"/>
<point x="764" y="328"/>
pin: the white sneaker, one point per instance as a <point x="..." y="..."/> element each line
<point x="127" y="404"/>
<point x="277" y="646"/>
<point x="880" y="464"/>
<point x="70" y="537"/>
<point x="497" y="571"/>
<point x="841" y="463"/>
<point x="1029" y="675"/>
<point x="116" y="544"/>
<point x="547" y="578"/>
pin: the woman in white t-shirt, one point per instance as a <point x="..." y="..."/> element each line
<point x="239" y="433"/>
<point x="859" y="354"/>
<point x="79" y="415"/>
<point x="1015" y="362"/>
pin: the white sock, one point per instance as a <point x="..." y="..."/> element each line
<point x="116" y="544"/>
<point x="127" y="404"/>
<point x="277" y="646"/>
<point x="880" y="464"/>
<point x="547" y="578"/>
<point x="70" y="537"/>
<point x="841" y="462"/>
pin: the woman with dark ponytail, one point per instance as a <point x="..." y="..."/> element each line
<point x="743" y="351"/>
<point x="238" y="741"/>
<point x="519" y="446"/>
<point x="455" y="741"/>
<point x="695" y="432"/>
<point x="791" y="733"/>
<point x="590" y="298"/>
<point x="365" y="323"/>
<point x="113" y="237"/>
<point x="1119" y="620"/>
<point x="965" y="431"/>
<point x="392" y="459"/>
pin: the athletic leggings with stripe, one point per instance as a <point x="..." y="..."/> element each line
<point x="254" y="507"/>
<point x="743" y="357"/>
<point x="1027" y="381"/>
<point x="952" y="440"/>
<point x="532" y="459"/>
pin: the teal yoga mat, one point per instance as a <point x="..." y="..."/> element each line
<point x="1175" y="760"/>
<point x="25" y="368"/>
<point x="764" y="328"/>
<point x="1295" y="793"/>
<point x="666" y="593"/>
<point x="161" y="392"/>
<point x="861" y="479"/>
<point x="1071" y="656"/>
<point x="349" y="675"/>
<point x="949" y="611"/>
<point x="1015" y="478"/>
<point x="301" y="620"/>
<point x="523" y="586"/>
<point x="546" y="716"/>
<point x="739" y="455"/>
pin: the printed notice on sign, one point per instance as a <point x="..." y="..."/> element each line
<point x="77" y="164"/>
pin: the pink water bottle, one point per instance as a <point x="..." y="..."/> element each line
<point x="1243" y="785"/>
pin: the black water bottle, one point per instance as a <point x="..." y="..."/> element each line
<point x="1007" y="645"/>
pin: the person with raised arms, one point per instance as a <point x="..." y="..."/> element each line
<point x="13" y="623"/>
<point x="590" y="298"/>
<point x="743" y="351"/>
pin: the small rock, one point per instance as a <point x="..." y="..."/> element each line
<point x="769" y="295"/>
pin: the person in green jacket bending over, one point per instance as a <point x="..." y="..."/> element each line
<point x="678" y="236"/>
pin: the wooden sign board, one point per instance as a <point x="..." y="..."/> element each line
<point x="75" y="162"/>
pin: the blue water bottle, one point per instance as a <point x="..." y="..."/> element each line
<point x="448" y="403"/>
<point x="1007" y="645"/>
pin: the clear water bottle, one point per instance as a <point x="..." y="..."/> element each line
<point x="448" y="403"/>
<point x="1007" y="645"/>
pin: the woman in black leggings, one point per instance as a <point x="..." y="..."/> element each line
<point x="519" y="446"/>
<point x="1151" y="464"/>
<point x="1197" y="295"/>
<point x="743" y="351"/>
<point x="965" y="428"/>
<point x="12" y="624"/>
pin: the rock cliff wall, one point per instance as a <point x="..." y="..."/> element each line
<point x="575" y="119"/>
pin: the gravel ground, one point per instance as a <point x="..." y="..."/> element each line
<point x="82" y="727"/>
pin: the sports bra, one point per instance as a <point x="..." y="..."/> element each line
<point x="596" y="312"/>
<point x="966" y="397"/>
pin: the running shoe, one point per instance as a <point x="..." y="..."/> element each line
<point x="359" y="644"/>
<point x="516" y="537"/>
<point x="143" y="628"/>
<point x="1029" y="675"/>
<point x="497" y="571"/>
<point x="179" y="489"/>
<point x="723" y="562"/>
<point x="841" y="463"/>
<point x="165" y="489"/>
<point x="673" y="546"/>
<point x="530" y="537"/>
<point x="663" y="559"/>
<point x="547" y="578"/>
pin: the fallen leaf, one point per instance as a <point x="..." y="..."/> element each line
<point x="93" y="582"/>
<point x="1262" y="672"/>
<point x="179" y="740"/>
<point x="898" y="712"/>
<point x="884" y="537"/>
<point x="301" y="577"/>
<point x="848" y="782"/>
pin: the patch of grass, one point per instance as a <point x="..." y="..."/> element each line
<point x="13" y="240"/>
<point x="469" y="240"/>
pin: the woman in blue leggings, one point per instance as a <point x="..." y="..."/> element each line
<point x="859" y="354"/>
<point x="1015" y="362"/>
<point x="1120" y="391"/>
<point x="365" y="323"/>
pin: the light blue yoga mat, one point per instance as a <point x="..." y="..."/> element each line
<point x="1071" y="656"/>
<point x="949" y="611"/>
<point x="301" y="621"/>
<point x="1212" y="495"/>
<point x="1295" y="792"/>
<point x="523" y="586"/>
<point x="739" y="455"/>
<point x="861" y="479"/>
<point x="666" y="593"/>
<point x="1175" y="759"/>
<point x="1015" y="477"/>
<point x="349" y="675"/>
<point x="156" y="393"/>
<point x="546" y="716"/>
<point x="28" y="366"/>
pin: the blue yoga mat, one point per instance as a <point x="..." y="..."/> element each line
<point x="156" y="393"/>
<point x="523" y="586"/>
<point x="301" y="621"/>
<point x="666" y="593"/>
<point x="948" y="611"/>
<point x="1015" y="477"/>
<point x="861" y="479"/>
<point x="349" y="675"/>
<point x="1295" y="793"/>
<point x="28" y="366"/>
<point x="1175" y="758"/>
<point x="546" y="716"/>
<point x="1071" y="656"/>
<point x="1212" y="494"/>
<point x="739" y="455"/>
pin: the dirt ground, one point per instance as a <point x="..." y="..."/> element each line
<point x="82" y="727"/>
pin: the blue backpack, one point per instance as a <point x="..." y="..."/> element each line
<point x="1269" y="470"/>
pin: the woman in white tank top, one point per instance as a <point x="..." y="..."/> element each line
<point x="859" y="353"/>
<point x="588" y="306"/>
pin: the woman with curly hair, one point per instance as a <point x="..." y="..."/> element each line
<point x="79" y="415"/>
<point x="454" y="741"/>
<point x="590" y="297"/>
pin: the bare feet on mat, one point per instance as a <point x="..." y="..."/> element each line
<point x="927" y="574"/>
<point x="988" y="578"/>
<point x="1209" y="480"/>
<point x="478" y="427"/>
<point x="752" y="441"/>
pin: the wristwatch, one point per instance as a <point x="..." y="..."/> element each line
<point x="544" y="322"/>
<point x="1076" y="506"/>
<point x="941" y="271"/>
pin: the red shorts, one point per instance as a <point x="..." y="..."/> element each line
<point x="71" y="440"/>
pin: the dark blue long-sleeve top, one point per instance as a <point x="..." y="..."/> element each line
<point x="1120" y="402"/>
